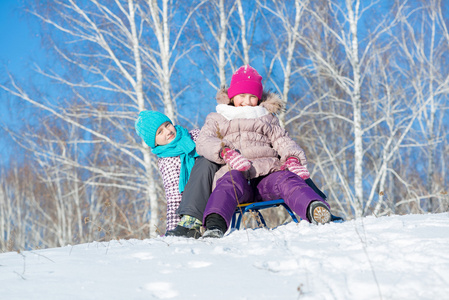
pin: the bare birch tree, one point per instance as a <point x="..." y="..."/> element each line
<point x="286" y="54"/>
<point x="422" y="42"/>
<point x="248" y="17"/>
<point x="215" y="43"/>
<point x="225" y="30"/>
<point x="110" y="45"/>
<point x="343" y="70"/>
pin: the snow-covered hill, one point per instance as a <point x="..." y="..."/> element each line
<point x="397" y="257"/>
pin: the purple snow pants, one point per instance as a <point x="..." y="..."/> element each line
<point x="282" y="184"/>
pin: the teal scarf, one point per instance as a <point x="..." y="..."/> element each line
<point x="184" y="147"/>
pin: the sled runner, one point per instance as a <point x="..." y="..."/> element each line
<point x="257" y="206"/>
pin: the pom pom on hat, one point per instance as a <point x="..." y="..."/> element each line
<point x="246" y="80"/>
<point x="147" y="124"/>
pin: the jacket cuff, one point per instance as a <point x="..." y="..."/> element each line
<point x="222" y="152"/>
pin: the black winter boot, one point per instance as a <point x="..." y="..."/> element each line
<point x="215" y="226"/>
<point x="184" y="232"/>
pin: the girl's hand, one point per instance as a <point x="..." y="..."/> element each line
<point x="235" y="160"/>
<point x="293" y="165"/>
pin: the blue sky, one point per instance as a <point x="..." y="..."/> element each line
<point x="19" y="48"/>
<point x="19" y="44"/>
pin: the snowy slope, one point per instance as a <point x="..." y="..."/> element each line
<point x="397" y="257"/>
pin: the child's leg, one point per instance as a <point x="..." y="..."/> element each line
<point x="198" y="189"/>
<point x="194" y="198"/>
<point x="223" y="199"/>
<point x="315" y="188"/>
<point x="290" y="187"/>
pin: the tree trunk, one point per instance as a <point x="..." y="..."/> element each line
<point x="357" y="110"/>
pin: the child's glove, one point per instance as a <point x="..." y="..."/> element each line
<point x="235" y="160"/>
<point x="293" y="165"/>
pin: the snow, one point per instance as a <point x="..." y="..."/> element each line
<point x="396" y="257"/>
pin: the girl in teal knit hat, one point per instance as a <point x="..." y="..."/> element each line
<point x="178" y="161"/>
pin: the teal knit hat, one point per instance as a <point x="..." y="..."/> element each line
<point x="147" y="124"/>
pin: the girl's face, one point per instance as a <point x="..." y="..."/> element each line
<point x="245" y="100"/>
<point x="165" y="134"/>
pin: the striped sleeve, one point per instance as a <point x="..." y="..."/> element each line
<point x="170" y="168"/>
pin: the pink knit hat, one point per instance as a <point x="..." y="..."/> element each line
<point x="246" y="80"/>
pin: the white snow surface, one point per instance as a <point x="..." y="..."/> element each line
<point x="395" y="257"/>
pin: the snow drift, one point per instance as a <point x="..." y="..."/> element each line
<point x="396" y="257"/>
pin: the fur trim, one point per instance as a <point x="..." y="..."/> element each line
<point x="271" y="101"/>
<point x="222" y="96"/>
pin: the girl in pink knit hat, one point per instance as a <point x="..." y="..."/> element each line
<point x="260" y="161"/>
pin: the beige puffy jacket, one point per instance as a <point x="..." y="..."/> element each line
<point x="253" y="131"/>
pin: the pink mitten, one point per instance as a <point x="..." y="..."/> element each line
<point x="236" y="160"/>
<point x="293" y="165"/>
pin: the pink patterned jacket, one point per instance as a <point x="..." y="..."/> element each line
<point x="170" y="168"/>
